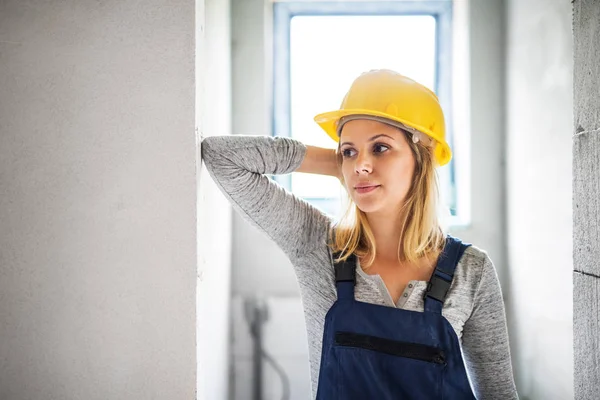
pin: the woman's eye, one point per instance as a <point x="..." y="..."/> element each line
<point x="380" y="148"/>
<point x="347" y="152"/>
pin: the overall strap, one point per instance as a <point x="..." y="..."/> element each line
<point x="345" y="277"/>
<point x="438" y="285"/>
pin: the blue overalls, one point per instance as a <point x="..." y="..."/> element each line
<point x="378" y="352"/>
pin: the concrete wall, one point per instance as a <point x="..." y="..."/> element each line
<point x="586" y="192"/>
<point x="213" y="69"/>
<point x="97" y="200"/>
<point x="539" y="101"/>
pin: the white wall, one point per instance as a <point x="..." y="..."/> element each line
<point x="98" y="200"/>
<point x="485" y="128"/>
<point x="539" y="129"/>
<point x="259" y="267"/>
<point x="257" y="263"/>
<point x="214" y="223"/>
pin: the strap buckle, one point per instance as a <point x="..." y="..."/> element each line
<point x="437" y="288"/>
<point x="345" y="271"/>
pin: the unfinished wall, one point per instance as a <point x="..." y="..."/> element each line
<point x="586" y="192"/>
<point x="214" y="213"/>
<point x="538" y="104"/>
<point x="97" y="200"/>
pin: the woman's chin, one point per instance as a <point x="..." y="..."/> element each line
<point x="367" y="206"/>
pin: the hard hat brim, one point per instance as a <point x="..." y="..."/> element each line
<point x="328" y="122"/>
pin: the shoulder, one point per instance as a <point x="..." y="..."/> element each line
<point x="474" y="264"/>
<point x="475" y="257"/>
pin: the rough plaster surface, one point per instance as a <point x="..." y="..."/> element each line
<point x="97" y="200"/>
<point x="586" y="32"/>
<point x="586" y="202"/>
<point x="586" y="191"/>
<point x="586" y="342"/>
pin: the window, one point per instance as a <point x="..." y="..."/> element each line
<point x="320" y="48"/>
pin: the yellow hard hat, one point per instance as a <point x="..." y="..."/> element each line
<point x="391" y="96"/>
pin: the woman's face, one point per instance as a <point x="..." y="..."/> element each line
<point x="377" y="164"/>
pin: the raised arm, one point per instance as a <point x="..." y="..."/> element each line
<point x="239" y="165"/>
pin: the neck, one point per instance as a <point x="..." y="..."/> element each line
<point x="388" y="232"/>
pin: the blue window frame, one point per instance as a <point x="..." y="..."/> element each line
<point x="316" y="33"/>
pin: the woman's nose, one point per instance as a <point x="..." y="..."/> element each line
<point x="363" y="165"/>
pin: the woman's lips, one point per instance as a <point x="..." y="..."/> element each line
<point x="366" y="189"/>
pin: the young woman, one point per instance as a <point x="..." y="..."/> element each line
<point x="394" y="307"/>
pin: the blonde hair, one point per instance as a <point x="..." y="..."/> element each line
<point x="422" y="234"/>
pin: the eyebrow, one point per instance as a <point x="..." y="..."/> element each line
<point x="370" y="140"/>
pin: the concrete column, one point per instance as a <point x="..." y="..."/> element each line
<point x="586" y="199"/>
<point x="98" y="199"/>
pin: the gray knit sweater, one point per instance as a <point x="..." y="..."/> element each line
<point x="474" y="304"/>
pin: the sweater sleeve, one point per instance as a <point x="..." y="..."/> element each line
<point x="485" y="342"/>
<point x="239" y="165"/>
